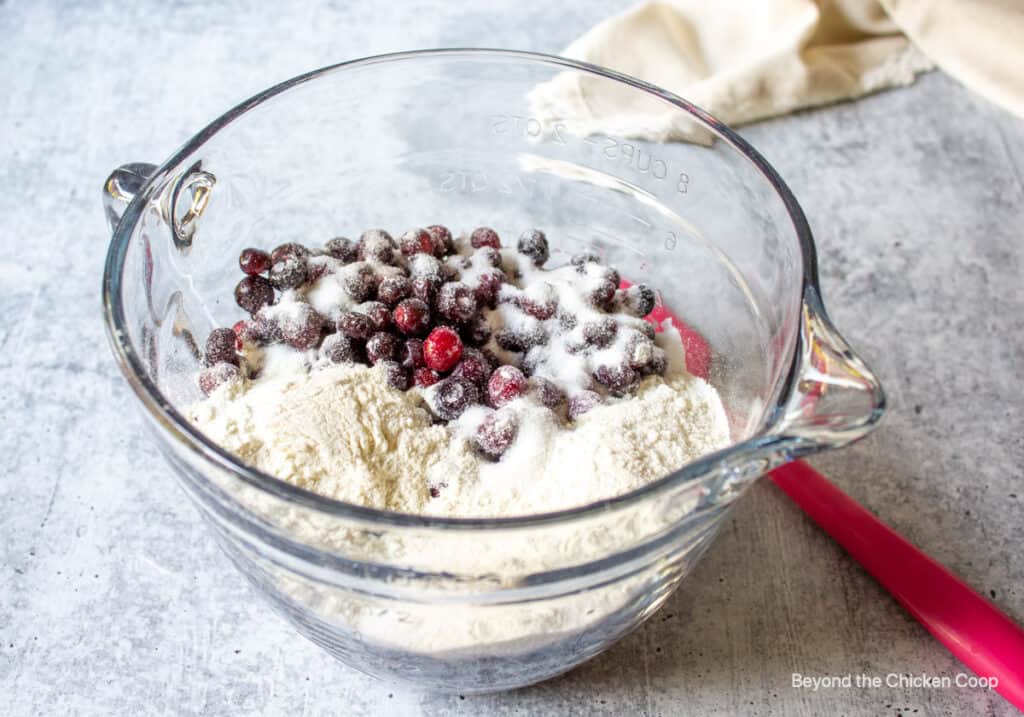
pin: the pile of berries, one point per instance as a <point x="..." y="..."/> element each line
<point x="467" y="322"/>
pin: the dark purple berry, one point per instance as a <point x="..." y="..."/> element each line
<point x="393" y="289"/>
<point x="288" y="273"/>
<point x="538" y="309"/>
<point x="267" y="328"/>
<point x="619" y="379"/>
<point x="441" y="239"/>
<point x="380" y="315"/>
<point x="476" y="333"/>
<point x="581" y="260"/>
<point x="457" y="302"/>
<point x="220" y="347"/>
<point x="602" y="294"/>
<point x="534" y="244"/>
<point x="473" y="367"/>
<point x="583" y="402"/>
<point x="507" y="383"/>
<point x="638" y="300"/>
<point x="496" y="433"/>
<point x="521" y="340"/>
<point x="253" y="293"/>
<point x="290" y="249"/>
<point x="548" y="392"/>
<point x="450" y="397"/>
<point x="359" y="282"/>
<point x="647" y="329"/>
<point x="377" y="245"/>
<point x="301" y="327"/>
<point x="567" y="321"/>
<point x="381" y="346"/>
<point x="416" y="241"/>
<point x="411" y="353"/>
<point x="425" y="289"/>
<point x="412" y="317"/>
<point x="484" y="236"/>
<point x="355" y="325"/>
<point x="425" y="377"/>
<point x="397" y="376"/>
<point x="213" y="377"/>
<point x="343" y="249"/>
<point x="339" y="349"/>
<point x="254" y="261"/>
<point x="600" y="333"/>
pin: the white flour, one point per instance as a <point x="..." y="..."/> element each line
<point x="342" y="432"/>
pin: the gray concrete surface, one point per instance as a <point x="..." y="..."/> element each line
<point x="113" y="598"/>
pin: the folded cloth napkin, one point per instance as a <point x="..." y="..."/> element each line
<point x="744" y="60"/>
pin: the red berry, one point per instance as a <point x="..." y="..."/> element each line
<point x="416" y="241"/>
<point x="507" y="383"/>
<point x="548" y="392"/>
<point x="600" y="333"/>
<point x="254" y="261"/>
<point x="484" y="236"/>
<point x="288" y="272"/>
<point x="412" y="317"/>
<point x="426" y="377"/>
<point x="425" y="288"/>
<point x="442" y="349"/>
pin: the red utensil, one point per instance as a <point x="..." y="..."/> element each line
<point x="971" y="627"/>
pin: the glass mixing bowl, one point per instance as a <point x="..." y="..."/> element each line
<point x="458" y="137"/>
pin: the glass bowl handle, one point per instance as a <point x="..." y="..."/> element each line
<point x="121" y="187"/>
<point x="835" y="398"/>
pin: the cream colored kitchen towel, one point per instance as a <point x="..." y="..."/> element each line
<point x="744" y="60"/>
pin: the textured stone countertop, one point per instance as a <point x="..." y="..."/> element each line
<point x="114" y="598"/>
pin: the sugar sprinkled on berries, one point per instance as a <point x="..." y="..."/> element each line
<point x="496" y="433"/>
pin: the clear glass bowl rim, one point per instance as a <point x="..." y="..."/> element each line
<point x="179" y="428"/>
